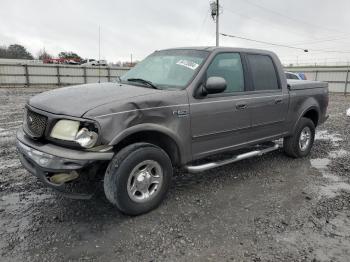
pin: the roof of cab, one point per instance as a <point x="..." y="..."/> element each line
<point x="222" y="48"/>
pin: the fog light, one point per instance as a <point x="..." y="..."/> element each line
<point x="64" y="177"/>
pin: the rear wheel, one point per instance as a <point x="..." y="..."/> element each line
<point x="300" y="144"/>
<point x="138" y="177"/>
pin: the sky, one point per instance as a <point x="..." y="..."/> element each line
<point x="139" y="27"/>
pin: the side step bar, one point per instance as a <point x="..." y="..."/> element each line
<point x="207" y="166"/>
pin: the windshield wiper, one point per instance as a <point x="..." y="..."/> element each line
<point x="143" y="81"/>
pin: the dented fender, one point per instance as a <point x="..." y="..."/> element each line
<point x="166" y="112"/>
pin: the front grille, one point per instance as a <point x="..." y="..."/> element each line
<point x="34" y="123"/>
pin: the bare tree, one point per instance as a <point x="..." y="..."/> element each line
<point x="42" y="55"/>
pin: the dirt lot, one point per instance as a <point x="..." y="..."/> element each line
<point x="270" y="208"/>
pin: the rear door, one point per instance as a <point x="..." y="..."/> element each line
<point x="270" y="104"/>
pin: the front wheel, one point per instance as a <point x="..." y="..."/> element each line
<point x="137" y="178"/>
<point x="300" y="144"/>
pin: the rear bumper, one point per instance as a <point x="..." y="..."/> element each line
<point x="44" y="160"/>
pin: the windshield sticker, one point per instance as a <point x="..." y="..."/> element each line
<point x="188" y="64"/>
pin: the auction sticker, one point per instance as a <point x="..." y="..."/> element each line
<point x="188" y="64"/>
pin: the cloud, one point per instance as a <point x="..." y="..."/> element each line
<point x="140" y="27"/>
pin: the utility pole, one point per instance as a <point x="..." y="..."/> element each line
<point x="217" y="22"/>
<point x="99" y="53"/>
<point x="130" y="60"/>
<point x="99" y="42"/>
<point x="214" y="6"/>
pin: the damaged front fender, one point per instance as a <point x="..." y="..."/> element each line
<point x="166" y="112"/>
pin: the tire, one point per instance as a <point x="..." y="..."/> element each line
<point x="291" y="144"/>
<point x="127" y="180"/>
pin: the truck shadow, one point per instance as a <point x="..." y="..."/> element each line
<point x="183" y="184"/>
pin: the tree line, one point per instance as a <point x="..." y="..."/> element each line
<point x="16" y="51"/>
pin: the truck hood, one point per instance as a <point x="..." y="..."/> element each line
<point x="77" y="100"/>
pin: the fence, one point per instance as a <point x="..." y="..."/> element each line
<point x="17" y="75"/>
<point x="25" y="75"/>
<point x="337" y="77"/>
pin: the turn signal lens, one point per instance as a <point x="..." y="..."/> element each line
<point x="86" y="138"/>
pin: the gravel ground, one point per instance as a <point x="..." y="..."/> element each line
<point x="269" y="208"/>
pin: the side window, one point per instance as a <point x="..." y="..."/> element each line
<point x="263" y="72"/>
<point x="228" y="66"/>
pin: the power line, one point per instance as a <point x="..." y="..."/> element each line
<point x="259" y="21"/>
<point x="263" y="42"/>
<point x="202" y="25"/>
<point x="286" y="46"/>
<point x="292" y="18"/>
<point x="320" y="41"/>
<point x="279" y="27"/>
<point x="330" y="51"/>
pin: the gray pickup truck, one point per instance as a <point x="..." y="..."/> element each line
<point x="184" y="108"/>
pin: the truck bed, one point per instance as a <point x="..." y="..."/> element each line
<point x="305" y="84"/>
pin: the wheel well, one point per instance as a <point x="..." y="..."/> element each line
<point x="313" y="115"/>
<point x="153" y="137"/>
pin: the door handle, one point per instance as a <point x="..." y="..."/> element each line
<point x="278" y="101"/>
<point x="241" y="106"/>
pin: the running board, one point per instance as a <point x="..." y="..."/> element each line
<point x="207" y="166"/>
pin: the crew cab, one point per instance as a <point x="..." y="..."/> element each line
<point x="183" y="107"/>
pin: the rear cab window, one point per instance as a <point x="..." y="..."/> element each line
<point x="263" y="73"/>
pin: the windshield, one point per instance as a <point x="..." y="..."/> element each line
<point x="168" y="68"/>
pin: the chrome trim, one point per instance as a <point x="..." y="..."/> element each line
<point x="190" y="104"/>
<point x="305" y="138"/>
<point x="141" y="109"/>
<point x="207" y="166"/>
<point x="145" y="181"/>
<point x="237" y="99"/>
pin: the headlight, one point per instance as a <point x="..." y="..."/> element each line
<point x="65" y="130"/>
<point x="68" y="130"/>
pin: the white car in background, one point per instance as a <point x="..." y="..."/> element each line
<point x="93" y="62"/>
<point x="101" y="63"/>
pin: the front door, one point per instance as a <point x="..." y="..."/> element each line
<point x="221" y="121"/>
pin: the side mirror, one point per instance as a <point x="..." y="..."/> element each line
<point x="215" y="84"/>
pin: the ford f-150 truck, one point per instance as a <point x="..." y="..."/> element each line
<point x="183" y="107"/>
